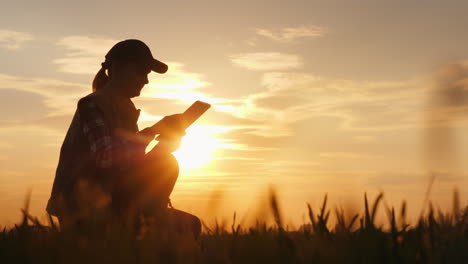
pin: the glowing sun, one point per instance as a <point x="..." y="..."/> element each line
<point x="197" y="148"/>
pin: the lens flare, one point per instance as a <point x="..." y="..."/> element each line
<point x="197" y="148"/>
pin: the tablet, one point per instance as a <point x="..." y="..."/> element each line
<point x="194" y="112"/>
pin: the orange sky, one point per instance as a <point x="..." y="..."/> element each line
<point x="312" y="97"/>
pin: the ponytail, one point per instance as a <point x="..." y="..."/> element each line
<point x="100" y="79"/>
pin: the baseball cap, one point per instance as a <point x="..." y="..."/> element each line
<point x="136" y="51"/>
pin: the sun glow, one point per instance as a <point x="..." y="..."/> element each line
<point x="197" y="147"/>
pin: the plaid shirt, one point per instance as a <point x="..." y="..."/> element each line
<point x="108" y="150"/>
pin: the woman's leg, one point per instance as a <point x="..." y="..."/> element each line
<point x="161" y="176"/>
<point x="146" y="188"/>
<point x="184" y="223"/>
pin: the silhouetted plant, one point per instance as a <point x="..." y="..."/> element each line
<point x="437" y="237"/>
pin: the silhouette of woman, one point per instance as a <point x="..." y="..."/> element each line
<point x="103" y="172"/>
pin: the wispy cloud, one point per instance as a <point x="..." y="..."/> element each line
<point x="59" y="96"/>
<point x="349" y="155"/>
<point x="178" y="84"/>
<point x="449" y="97"/>
<point x="447" y="109"/>
<point x="360" y="104"/>
<point x="267" y="61"/>
<point x="291" y="34"/>
<point x="14" y="40"/>
<point x="417" y="178"/>
<point x="286" y="99"/>
<point x="84" y="54"/>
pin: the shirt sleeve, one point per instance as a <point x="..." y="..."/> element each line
<point x="108" y="150"/>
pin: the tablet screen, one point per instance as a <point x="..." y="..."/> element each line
<point x="194" y="112"/>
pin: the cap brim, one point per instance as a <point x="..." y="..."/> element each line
<point x="158" y="66"/>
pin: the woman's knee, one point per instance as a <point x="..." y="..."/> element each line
<point x="187" y="222"/>
<point x="166" y="164"/>
<point x="173" y="164"/>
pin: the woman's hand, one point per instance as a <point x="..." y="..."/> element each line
<point x="168" y="144"/>
<point x="146" y="135"/>
<point x="171" y="131"/>
<point x="172" y="124"/>
<point x="170" y="128"/>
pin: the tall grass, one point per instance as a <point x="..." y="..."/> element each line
<point x="437" y="237"/>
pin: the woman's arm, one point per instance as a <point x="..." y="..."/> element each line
<point x="108" y="150"/>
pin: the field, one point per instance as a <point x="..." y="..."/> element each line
<point x="438" y="237"/>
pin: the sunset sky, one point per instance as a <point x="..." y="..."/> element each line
<point x="311" y="97"/>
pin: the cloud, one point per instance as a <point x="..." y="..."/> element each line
<point x="350" y="155"/>
<point x="448" y="101"/>
<point x="296" y="104"/>
<point x="267" y="61"/>
<point x="84" y="54"/>
<point x="14" y="40"/>
<point x="399" y="178"/>
<point x="21" y="105"/>
<point x="292" y="96"/>
<point x="58" y="96"/>
<point x="291" y="34"/>
<point x="447" y="108"/>
<point x="286" y="98"/>
<point x="179" y="85"/>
